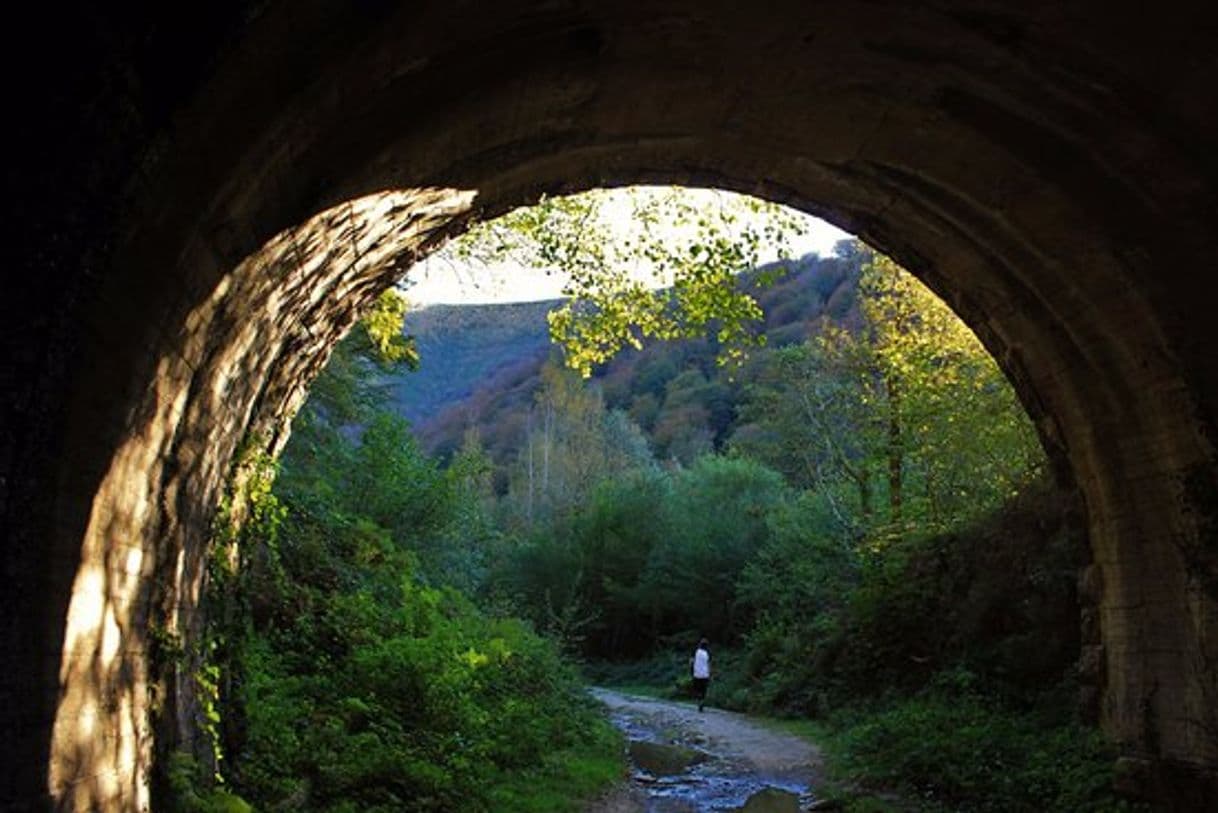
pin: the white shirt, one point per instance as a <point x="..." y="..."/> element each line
<point x="701" y="663"/>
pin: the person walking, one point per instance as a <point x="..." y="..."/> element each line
<point x="701" y="670"/>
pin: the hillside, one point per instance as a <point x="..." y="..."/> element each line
<point x="462" y="348"/>
<point x="481" y="366"/>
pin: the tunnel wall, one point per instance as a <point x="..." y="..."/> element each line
<point x="1049" y="172"/>
<point x="230" y="377"/>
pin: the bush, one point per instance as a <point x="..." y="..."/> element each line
<point x="441" y="713"/>
<point x="190" y="790"/>
<point x="665" y="673"/>
<point x="353" y="684"/>
<point x="953" y="752"/>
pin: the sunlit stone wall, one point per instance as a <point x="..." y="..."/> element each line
<point x="238" y="370"/>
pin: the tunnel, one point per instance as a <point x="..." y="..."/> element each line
<point x="205" y="196"/>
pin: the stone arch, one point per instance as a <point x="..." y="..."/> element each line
<point x="1047" y="174"/>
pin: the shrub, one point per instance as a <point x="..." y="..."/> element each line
<point x="953" y="752"/>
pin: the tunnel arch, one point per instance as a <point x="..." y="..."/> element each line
<point x="1044" y="171"/>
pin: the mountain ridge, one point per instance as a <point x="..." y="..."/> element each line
<point x="481" y="365"/>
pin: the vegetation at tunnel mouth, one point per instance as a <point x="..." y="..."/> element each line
<point x="854" y="509"/>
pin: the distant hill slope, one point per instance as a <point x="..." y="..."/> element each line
<point x="462" y="348"/>
<point x="481" y="365"/>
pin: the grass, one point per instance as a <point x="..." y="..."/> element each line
<point x="642" y="690"/>
<point x="658" y="677"/>
<point x="947" y="752"/>
<point x="567" y="780"/>
<point x="835" y="788"/>
<point x="813" y="731"/>
<point x="938" y="753"/>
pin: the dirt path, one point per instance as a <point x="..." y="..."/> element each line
<point x="686" y="761"/>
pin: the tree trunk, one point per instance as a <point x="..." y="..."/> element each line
<point x="895" y="456"/>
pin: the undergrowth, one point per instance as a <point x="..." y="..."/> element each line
<point x="961" y="753"/>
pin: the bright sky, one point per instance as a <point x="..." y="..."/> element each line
<point x="443" y="281"/>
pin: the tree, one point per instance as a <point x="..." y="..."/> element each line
<point x="381" y="331"/>
<point x="718" y="520"/>
<point x="626" y="518"/>
<point x="812" y="420"/>
<point x="673" y="275"/>
<point x="346" y="393"/>
<point x="908" y="410"/>
<point x="572" y="443"/>
<point x="954" y="423"/>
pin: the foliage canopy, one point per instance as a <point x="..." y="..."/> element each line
<point x="675" y="273"/>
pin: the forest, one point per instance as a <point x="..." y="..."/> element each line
<point x="822" y="472"/>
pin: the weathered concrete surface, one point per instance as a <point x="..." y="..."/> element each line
<point x="188" y="256"/>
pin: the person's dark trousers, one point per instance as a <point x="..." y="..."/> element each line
<point x="700" y="691"/>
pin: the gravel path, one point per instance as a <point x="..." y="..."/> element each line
<point x="741" y="758"/>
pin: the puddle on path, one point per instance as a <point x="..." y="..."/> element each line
<point x="680" y="772"/>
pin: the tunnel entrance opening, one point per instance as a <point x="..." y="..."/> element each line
<point x="1025" y="162"/>
<point x="584" y="477"/>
